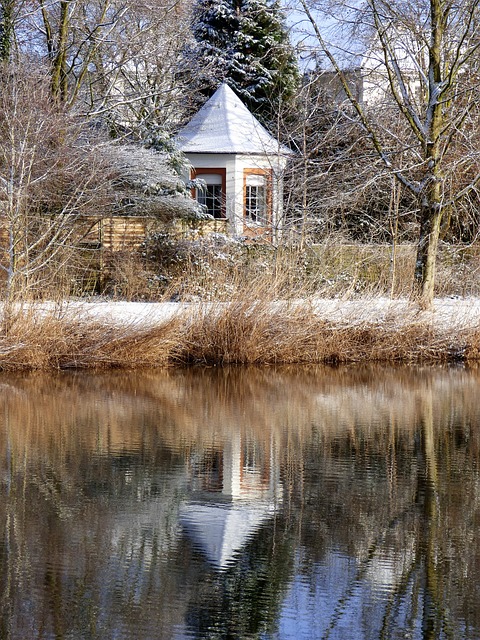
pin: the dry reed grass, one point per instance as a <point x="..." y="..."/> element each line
<point x="52" y="340"/>
<point x="206" y="271"/>
<point x="266" y="333"/>
<point x="248" y="330"/>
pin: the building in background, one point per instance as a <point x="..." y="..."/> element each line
<point x="236" y="167"/>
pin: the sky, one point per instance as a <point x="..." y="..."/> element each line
<point x="336" y="34"/>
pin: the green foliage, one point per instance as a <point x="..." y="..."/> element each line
<point x="245" y="43"/>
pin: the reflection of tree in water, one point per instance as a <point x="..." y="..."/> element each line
<point x="404" y="514"/>
<point x="86" y="538"/>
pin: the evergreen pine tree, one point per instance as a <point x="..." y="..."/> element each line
<point x="245" y="43"/>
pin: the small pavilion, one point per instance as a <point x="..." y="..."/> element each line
<point x="237" y="167"/>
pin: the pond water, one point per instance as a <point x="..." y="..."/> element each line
<point x="240" y="503"/>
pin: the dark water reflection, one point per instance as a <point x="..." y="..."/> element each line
<point x="289" y="503"/>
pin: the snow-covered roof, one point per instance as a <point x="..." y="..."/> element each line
<point x="225" y="125"/>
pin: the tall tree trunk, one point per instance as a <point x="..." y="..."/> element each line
<point x="431" y="210"/>
<point x="48" y="31"/>
<point x="6" y="29"/>
<point x="427" y="248"/>
<point x="59" y="69"/>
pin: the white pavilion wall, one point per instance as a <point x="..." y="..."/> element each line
<point x="235" y="166"/>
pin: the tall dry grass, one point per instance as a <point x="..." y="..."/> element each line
<point x="31" y="338"/>
<point x="206" y="268"/>
<point x="256" y="307"/>
<point x="249" y="330"/>
<point x="262" y="332"/>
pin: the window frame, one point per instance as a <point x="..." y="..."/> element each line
<point x="247" y="220"/>
<point x="196" y="171"/>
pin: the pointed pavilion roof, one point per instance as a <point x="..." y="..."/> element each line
<point x="225" y="125"/>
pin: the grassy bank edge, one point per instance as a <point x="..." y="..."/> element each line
<point x="244" y="332"/>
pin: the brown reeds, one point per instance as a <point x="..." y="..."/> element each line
<point x="54" y="340"/>
<point x="245" y="331"/>
<point x="273" y="333"/>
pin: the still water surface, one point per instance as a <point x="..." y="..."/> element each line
<point x="241" y="503"/>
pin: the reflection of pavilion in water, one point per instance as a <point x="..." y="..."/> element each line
<point x="235" y="488"/>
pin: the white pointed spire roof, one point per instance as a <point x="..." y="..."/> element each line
<point x="225" y="125"/>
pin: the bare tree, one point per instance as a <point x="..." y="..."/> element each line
<point x="114" y="59"/>
<point x="336" y="184"/>
<point x="420" y="106"/>
<point x="136" y="82"/>
<point x="50" y="176"/>
<point x="71" y="34"/>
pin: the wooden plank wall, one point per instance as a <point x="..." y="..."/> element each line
<point x="116" y="233"/>
<point x="121" y="233"/>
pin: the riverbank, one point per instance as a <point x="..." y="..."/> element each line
<point x="100" y="334"/>
<point x="446" y="313"/>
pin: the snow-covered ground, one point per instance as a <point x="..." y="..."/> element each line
<point x="447" y="313"/>
<point x="145" y="314"/>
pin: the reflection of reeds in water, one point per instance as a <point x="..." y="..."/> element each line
<point x="142" y="411"/>
<point x="248" y="330"/>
